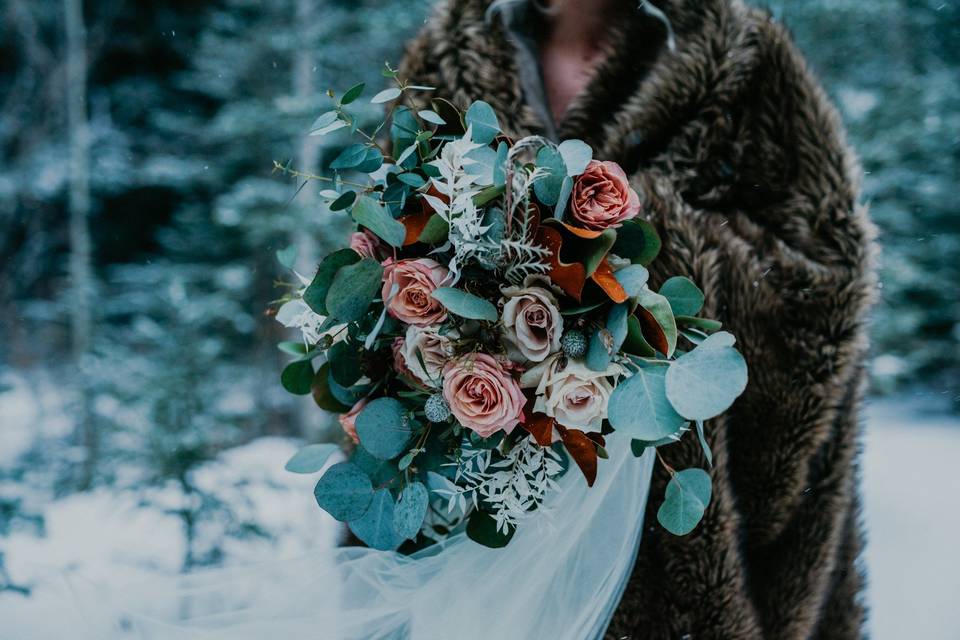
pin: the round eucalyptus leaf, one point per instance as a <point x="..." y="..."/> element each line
<point x="637" y="240"/>
<point x="344" y="491"/>
<point x="410" y="510"/>
<point x="310" y="458"/>
<point x="323" y="394"/>
<point x="350" y="157"/>
<point x="576" y="155"/>
<point x="376" y="527"/>
<point x="482" y="529"/>
<point x="687" y="497"/>
<point x="297" y="377"/>
<point x="632" y="279"/>
<point x="384" y="428"/>
<point x="548" y="187"/>
<point x="704" y="383"/>
<point x="466" y="305"/>
<point x="685" y="297"/>
<point x="353" y="289"/>
<point x="639" y="408"/>
<point x="483" y="120"/>
<point x="344" y="364"/>
<point x="374" y="216"/>
<point x="315" y="295"/>
<point x="718" y="340"/>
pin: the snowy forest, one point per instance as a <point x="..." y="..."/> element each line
<point x="140" y="216"/>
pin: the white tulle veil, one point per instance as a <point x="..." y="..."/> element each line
<point x="561" y="577"/>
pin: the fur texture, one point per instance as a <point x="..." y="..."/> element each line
<point x="745" y="171"/>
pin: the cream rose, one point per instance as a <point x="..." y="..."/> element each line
<point x="532" y="319"/>
<point x="482" y="396"/>
<point x="348" y="420"/>
<point x="415" y="280"/>
<point x="435" y="351"/>
<point x="602" y="197"/>
<point x="574" y="395"/>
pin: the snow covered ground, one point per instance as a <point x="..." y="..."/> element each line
<point x="912" y="513"/>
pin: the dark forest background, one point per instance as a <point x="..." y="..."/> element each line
<point x="139" y="213"/>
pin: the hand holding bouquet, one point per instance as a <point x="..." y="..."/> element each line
<point x="489" y="324"/>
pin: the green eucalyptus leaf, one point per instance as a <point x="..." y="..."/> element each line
<point x="344" y="491"/>
<point x="353" y="289"/>
<point x="638" y="406"/>
<point x="350" y="157"/>
<point x="287" y="257"/>
<point x="617" y="324"/>
<point x="563" y="198"/>
<point x="346" y="199"/>
<point x="410" y="510"/>
<point x="632" y="278"/>
<point x="376" y="527"/>
<point x="352" y="93"/>
<point x="576" y="155"/>
<point x="718" y="340"/>
<point x="703" y="443"/>
<point x="483" y="120"/>
<point x="374" y="216"/>
<point x="435" y="231"/>
<point x="297" y="377"/>
<point x="326" y="123"/>
<point x="293" y="347"/>
<point x="323" y="393"/>
<point x="548" y="187"/>
<point x="315" y="294"/>
<point x="386" y="96"/>
<point x="380" y="472"/>
<point x="685" y="297"/>
<point x="432" y="117"/>
<point x="703" y="383"/>
<point x="599" y="350"/>
<point x="687" y="497"/>
<point x="705" y="324"/>
<point x="484" y="161"/>
<point x="638" y="241"/>
<point x="499" y="169"/>
<point x="384" y="428"/>
<point x="482" y="529"/>
<point x="466" y="305"/>
<point x="344" y="363"/>
<point x="371" y="161"/>
<point x="414" y="180"/>
<point x="311" y="458"/>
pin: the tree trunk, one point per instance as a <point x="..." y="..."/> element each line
<point x="81" y="272"/>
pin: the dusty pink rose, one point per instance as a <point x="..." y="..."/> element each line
<point x="482" y="396"/>
<point x="367" y="244"/>
<point x="348" y="420"/>
<point x="415" y="280"/>
<point x="532" y="319"/>
<point x="602" y="197"/>
<point x="399" y="361"/>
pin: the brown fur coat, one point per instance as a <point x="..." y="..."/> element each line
<point x="745" y="172"/>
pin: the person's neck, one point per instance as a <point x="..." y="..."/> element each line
<point x="581" y="24"/>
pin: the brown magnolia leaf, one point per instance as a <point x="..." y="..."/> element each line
<point x="652" y="331"/>
<point x="605" y="279"/>
<point x="586" y="234"/>
<point x="569" y="277"/>
<point x="540" y="426"/>
<point x="597" y="437"/>
<point x="414" y="224"/>
<point x="583" y="451"/>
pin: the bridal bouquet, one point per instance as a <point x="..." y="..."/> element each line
<point x="489" y="326"/>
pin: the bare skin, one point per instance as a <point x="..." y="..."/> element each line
<point x="573" y="47"/>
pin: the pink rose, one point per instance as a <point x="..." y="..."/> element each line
<point x="399" y="361"/>
<point x="482" y="396"/>
<point x="348" y="420"/>
<point x="532" y="318"/>
<point x="602" y="197"/>
<point x="415" y="280"/>
<point x="367" y="244"/>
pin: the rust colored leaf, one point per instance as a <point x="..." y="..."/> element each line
<point x="569" y="277"/>
<point x="540" y="426"/>
<point x="652" y="331"/>
<point x="598" y="438"/>
<point x="584" y="452"/>
<point x="586" y="234"/>
<point x="605" y="279"/>
<point x="414" y="224"/>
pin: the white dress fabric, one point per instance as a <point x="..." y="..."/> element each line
<point x="561" y="577"/>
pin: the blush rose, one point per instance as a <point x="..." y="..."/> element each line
<point x="415" y="280"/>
<point x="602" y="197"/>
<point x="532" y="319"/>
<point x="574" y="395"/>
<point x="482" y="396"/>
<point x="367" y="244"/>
